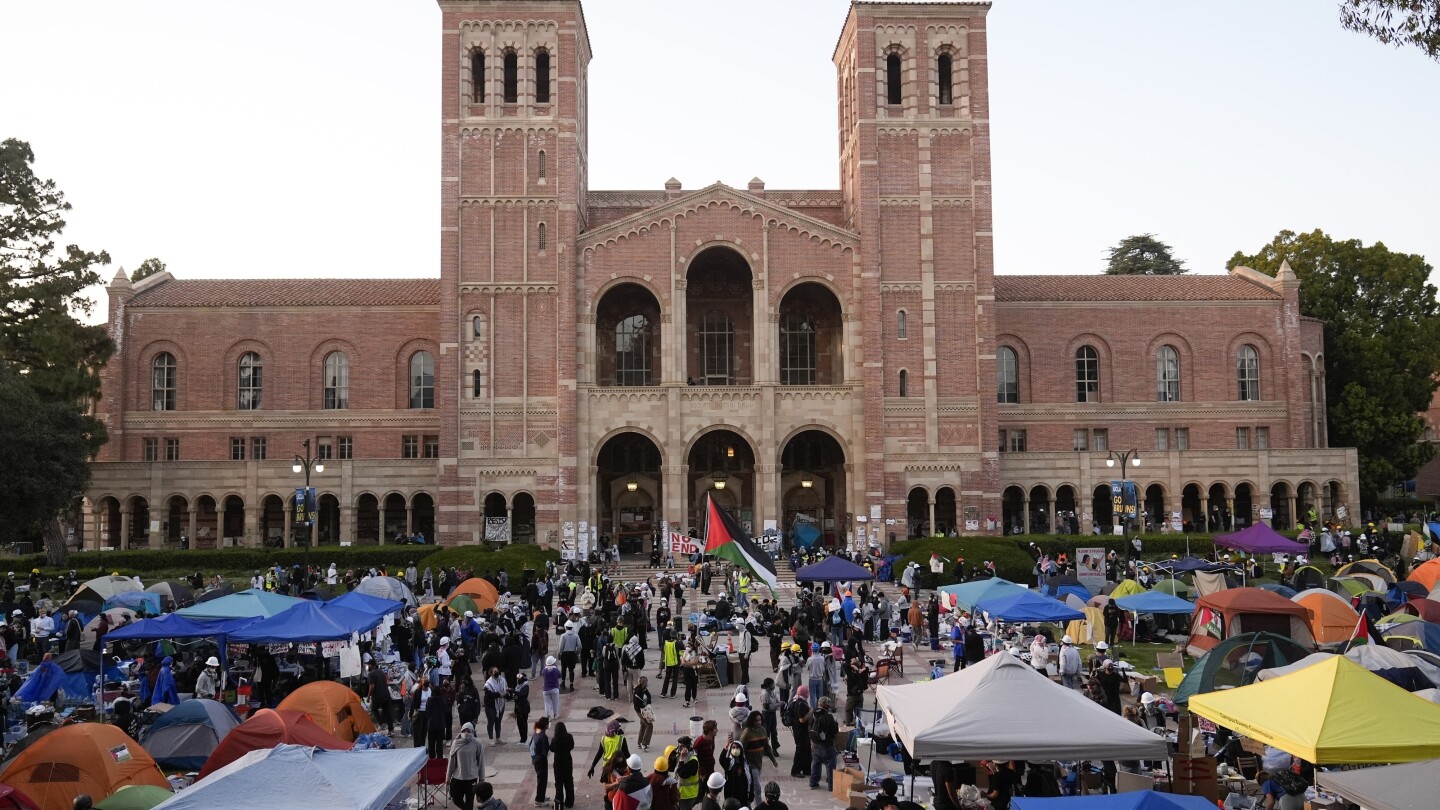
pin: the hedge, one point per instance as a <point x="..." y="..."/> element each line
<point x="481" y="560"/>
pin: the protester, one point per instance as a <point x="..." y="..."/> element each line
<point x="562" y="747"/>
<point x="466" y="767"/>
<point x="539" y="758"/>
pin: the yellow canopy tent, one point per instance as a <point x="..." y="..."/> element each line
<point x="1089" y="629"/>
<point x="1333" y="713"/>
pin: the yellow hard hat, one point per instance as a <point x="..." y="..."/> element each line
<point x="114" y="573"/>
<point x="662" y="764"/>
<point x="34" y="570"/>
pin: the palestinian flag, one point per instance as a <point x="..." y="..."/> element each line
<point x="725" y="539"/>
<point x="633" y="792"/>
<point x="1364" y="633"/>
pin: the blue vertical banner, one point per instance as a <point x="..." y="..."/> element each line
<point x="1125" y="498"/>
<point x="304" y="506"/>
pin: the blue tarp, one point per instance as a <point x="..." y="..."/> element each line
<point x="1136" y="800"/>
<point x="173" y="625"/>
<point x="1154" y="602"/>
<point x="1078" y="591"/>
<point x="1185" y="565"/>
<point x="135" y="600"/>
<point x="245" y="604"/>
<point x="968" y="594"/>
<point x="833" y="569"/>
<point x="805" y="534"/>
<point x="308" y="621"/>
<point x="365" y="603"/>
<point x="1028" y="607"/>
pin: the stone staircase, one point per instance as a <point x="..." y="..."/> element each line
<point x="635" y="568"/>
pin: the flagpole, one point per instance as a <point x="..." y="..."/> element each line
<point x="1354" y="633"/>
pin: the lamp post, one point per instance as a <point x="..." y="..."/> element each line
<point x="1129" y="458"/>
<point x="305" y="463"/>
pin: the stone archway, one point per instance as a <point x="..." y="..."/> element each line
<point x="812" y="489"/>
<point x="627" y="337"/>
<point x="629" y="490"/>
<point x="719" y="318"/>
<point x="810" y="339"/>
<point x="722" y="464"/>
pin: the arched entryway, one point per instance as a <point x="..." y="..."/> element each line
<point x="1067" y="510"/>
<point x="1102" y="507"/>
<point x="107" y="518"/>
<point x="496" y="513"/>
<point x="812" y="489"/>
<point x="1244" y="505"/>
<point x="392" y="516"/>
<point x="367" y="519"/>
<point x="1012" y="510"/>
<point x="627" y="337"/>
<point x="1307" y="504"/>
<point x="233" y="521"/>
<point x="1190" y="510"/>
<point x="1218" y="514"/>
<point x="177" y="519"/>
<point x="722" y="466"/>
<point x="1155" y="514"/>
<point x="422" y="516"/>
<point x="327" y="520"/>
<point x="917" y="512"/>
<point x="628" y="490"/>
<point x="207" y="523"/>
<point x="945" y="514"/>
<point x="1039" y="512"/>
<point x="810" y="337"/>
<point x="139" y="522"/>
<point x="272" y="521"/>
<point x="1280" y="500"/>
<point x="718" y="316"/>
<point x="1333" y="502"/>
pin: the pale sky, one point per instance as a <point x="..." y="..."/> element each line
<point x="285" y="138"/>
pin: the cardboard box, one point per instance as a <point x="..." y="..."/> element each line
<point x="1140" y="684"/>
<point x="858" y="800"/>
<point x="846" y="780"/>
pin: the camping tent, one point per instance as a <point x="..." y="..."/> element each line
<point x="1260" y="539"/>
<point x="1427" y="609"/>
<point x="267" y="728"/>
<point x="485" y="594"/>
<point x="1420" y="635"/>
<point x="1154" y="602"/>
<point x="1236" y="661"/>
<point x="1127" y="588"/>
<point x="1135" y="800"/>
<point x="101" y="588"/>
<point x="308" y="621"/>
<point x="833" y="569"/>
<point x="311" y="777"/>
<point x="12" y="799"/>
<point x="1427" y="574"/>
<point x="333" y="707"/>
<point x="1244" y="610"/>
<point x="173" y="592"/>
<point x="136" y="601"/>
<point x="1089" y="629"/>
<point x="1333" y="713"/>
<point x="1331" y="619"/>
<point x="366" y="603"/>
<point x="135" y="797"/>
<point x="1407" y="671"/>
<point x="1410" y="786"/>
<point x="1276" y="588"/>
<point x="245" y="604"/>
<point x="1308" y="576"/>
<point x="1174" y="587"/>
<point x="967" y="594"/>
<point x="1369" y="566"/>
<point x="387" y="588"/>
<point x="1028" y="607"/>
<point x="74" y="671"/>
<point x="971" y="715"/>
<point x="185" y="736"/>
<point x="91" y="758"/>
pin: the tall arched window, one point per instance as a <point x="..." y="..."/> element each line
<point x="902" y="328"/>
<point x="1167" y="375"/>
<point x="717" y="349"/>
<point x="477" y="76"/>
<point x="1007" y="375"/>
<point x="541" y="238"/>
<point x="512" y="77"/>
<point x="945" y="79"/>
<point x="1087" y="374"/>
<point x="632" y="351"/>
<point x="542" y="77"/>
<point x="904" y="377"/>
<point x="1247" y="373"/>
<point x="541" y="164"/>
<point x="798" y="360"/>
<point x="250" y="384"/>
<point x="422" y="380"/>
<point x="892" y="79"/>
<point x="163" y="372"/>
<point x="476" y="381"/>
<point x="337" y="382"/>
<point x="477" y="327"/>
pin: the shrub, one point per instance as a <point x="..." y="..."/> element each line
<point x="210" y="561"/>
<point x="480" y="559"/>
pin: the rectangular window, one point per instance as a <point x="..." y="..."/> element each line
<point x="1002" y="441"/>
<point x="324" y="450"/>
<point x="172" y="449"/>
<point x="1082" y="440"/>
<point x="1262" y="438"/>
<point x="1100" y="440"/>
<point x="1162" y="438"/>
<point x="1017" y="441"/>
<point x="410" y="446"/>
<point x="347" y="447"/>
<point x="152" y="449"/>
<point x="237" y="449"/>
<point x="257" y="448"/>
<point x="1087" y="375"/>
<point x="1182" y="438"/>
<point x="1242" y="438"/>
<point x="432" y="447"/>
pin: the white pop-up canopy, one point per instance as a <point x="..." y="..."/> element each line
<point x="1003" y="709"/>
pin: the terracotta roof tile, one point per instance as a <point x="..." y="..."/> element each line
<point x="291" y="292"/>
<point x="1186" y="287"/>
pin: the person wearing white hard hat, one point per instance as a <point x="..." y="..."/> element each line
<point x="442" y="669"/>
<point x="208" y="684"/>
<point x="1101" y="655"/>
<point x="1070" y="663"/>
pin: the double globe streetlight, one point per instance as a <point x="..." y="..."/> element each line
<point x="1129" y="458"/>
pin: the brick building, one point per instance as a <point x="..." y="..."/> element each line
<point x="601" y="360"/>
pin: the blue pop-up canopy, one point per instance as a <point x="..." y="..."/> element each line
<point x="1154" y="602"/>
<point x="1136" y="800"/>
<point x="173" y="625"/>
<point x="247" y="604"/>
<point x="365" y="603"/>
<point x="969" y="594"/>
<point x="308" y="621"/>
<point x="833" y="569"/>
<point x="1028" y="607"/>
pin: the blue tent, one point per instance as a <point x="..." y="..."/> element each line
<point x="1078" y="591"/>
<point x="1028" y="607"/>
<point x="968" y="594"/>
<point x="74" y="671"/>
<point x="1137" y="800"/>
<point x="1154" y="602"/>
<point x="833" y="569"/>
<point x="1275" y="587"/>
<point x="365" y="603"/>
<point x="1422" y="634"/>
<point x="308" y="621"/>
<point x="135" y="600"/>
<point x="245" y="604"/>
<point x="188" y="734"/>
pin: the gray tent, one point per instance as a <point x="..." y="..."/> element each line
<point x="1412" y="786"/>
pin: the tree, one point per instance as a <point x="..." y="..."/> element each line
<point x="1382" y="345"/>
<point x="1143" y="255"/>
<point x="149" y="267"/>
<point x="42" y="288"/>
<point x="1396" y="22"/>
<point x="45" y="448"/>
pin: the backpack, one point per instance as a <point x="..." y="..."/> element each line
<point x="786" y="717"/>
<point x="820" y="731"/>
<point x="754" y="644"/>
<point x="1290" y="782"/>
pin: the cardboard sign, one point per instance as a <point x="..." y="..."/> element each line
<point x="683" y="544"/>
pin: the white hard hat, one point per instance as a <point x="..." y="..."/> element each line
<point x="549" y="660"/>
<point x="469" y="614"/>
<point x="1067" y="640"/>
<point x="212" y="661"/>
<point x="634" y="763"/>
<point x="1100" y="645"/>
<point x="1147" y="698"/>
<point x="716" y="781"/>
<point x="444" y="641"/>
<point x="569" y="625"/>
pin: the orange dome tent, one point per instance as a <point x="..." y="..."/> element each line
<point x="267" y="728"/>
<point x="334" y="708"/>
<point x="484" y="594"/>
<point x="1427" y="574"/>
<point x="91" y="758"/>
<point x="1331" y="620"/>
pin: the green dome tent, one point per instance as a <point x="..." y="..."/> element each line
<point x="1236" y="660"/>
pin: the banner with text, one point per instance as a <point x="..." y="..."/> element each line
<point x="683" y="545"/>
<point x="497" y="530"/>
<point x="1090" y="568"/>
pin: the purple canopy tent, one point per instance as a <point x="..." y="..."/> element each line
<point x="1260" y="539"/>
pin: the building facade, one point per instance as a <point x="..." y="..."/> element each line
<point x="599" y="362"/>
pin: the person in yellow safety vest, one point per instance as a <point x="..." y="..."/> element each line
<point x="611" y="744"/>
<point x="744" y="589"/>
<point x="671" y="653"/>
<point x="687" y="773"/>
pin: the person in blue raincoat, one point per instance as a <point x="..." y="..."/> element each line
<point x="163" y="690"/>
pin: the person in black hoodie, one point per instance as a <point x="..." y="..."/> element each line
<point x="467" y="702"/>
<point x="562" y="747"/>
<point x="437" y="720"/>
<point x="520" y="694"/>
